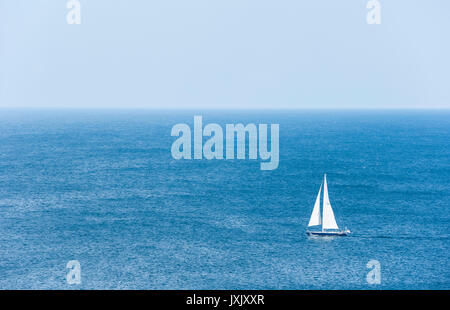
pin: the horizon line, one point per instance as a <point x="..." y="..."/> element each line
<point x="229" y="109"/>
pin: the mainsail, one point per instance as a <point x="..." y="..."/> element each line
<point x="315" y="216"/>
<point x="328" y="221"/>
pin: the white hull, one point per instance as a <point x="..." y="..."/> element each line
<point x="327" y="233"/>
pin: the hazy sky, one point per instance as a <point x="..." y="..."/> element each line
<point x="225" y="54"/>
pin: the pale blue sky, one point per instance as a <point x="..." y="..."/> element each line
<point x="225" y="54"/>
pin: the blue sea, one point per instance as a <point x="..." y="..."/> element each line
<point x="101" y="187"/>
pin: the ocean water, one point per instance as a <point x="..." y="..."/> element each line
<point x="101" y="187"/>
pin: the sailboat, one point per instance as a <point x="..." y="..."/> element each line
<point x="326" y="219"/>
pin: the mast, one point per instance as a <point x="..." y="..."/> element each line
<point x="328" y="220"/>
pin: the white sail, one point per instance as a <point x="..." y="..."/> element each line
<point x="315" y="215"/>
<point x="328" y="221"/>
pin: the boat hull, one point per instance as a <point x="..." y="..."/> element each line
<point x="327" y="233"/>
